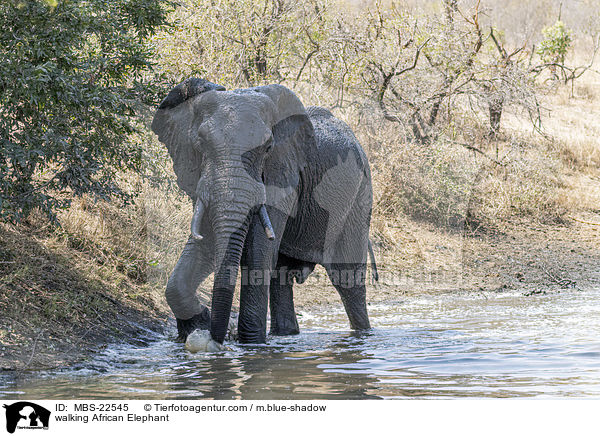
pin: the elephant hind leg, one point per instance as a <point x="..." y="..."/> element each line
<point x="283" y="314"/>
<point x="349" y="281"/>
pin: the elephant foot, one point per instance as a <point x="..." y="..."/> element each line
<point x="200" y="340"/>
<point x="285" y="327"/>
<point x="186" y="326"/>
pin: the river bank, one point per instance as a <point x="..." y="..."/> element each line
<point x="58" y="306"/>
<point x="530" y="257"/>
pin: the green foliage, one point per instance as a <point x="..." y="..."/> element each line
<point x="556" y="43"/>
<point x="72" y="77"/>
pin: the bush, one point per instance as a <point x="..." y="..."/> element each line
<point x="556" y="43"/>
<point x="72" y="76"/>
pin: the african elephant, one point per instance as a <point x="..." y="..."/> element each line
<point x="277" y="189"/>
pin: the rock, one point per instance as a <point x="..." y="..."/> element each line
<point x="200" y="340"/>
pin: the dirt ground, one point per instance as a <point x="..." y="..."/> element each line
<point x="532" y="257"/>
<point x="56" y="308"/>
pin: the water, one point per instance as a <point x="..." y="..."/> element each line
<point x="451" y="345"/>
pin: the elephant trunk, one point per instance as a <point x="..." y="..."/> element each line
<point x="231" y="228"/>
<point x="233" y="198"/>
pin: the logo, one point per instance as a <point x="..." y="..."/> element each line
<point x="26" y="415"/>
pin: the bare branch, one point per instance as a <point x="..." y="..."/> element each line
<point x="478" y="151"/>
<point x="387" y="79"/>
<point x="500" y="48"/>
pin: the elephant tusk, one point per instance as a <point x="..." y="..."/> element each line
<point x="266" y="222"/>
<point x="196" y="220"/>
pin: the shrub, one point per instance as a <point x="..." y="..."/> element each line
<point x="71" y="79"/>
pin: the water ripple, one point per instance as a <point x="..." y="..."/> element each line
<point x="452" y="346"/>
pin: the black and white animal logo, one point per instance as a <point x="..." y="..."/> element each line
<point x="24" y="414"/>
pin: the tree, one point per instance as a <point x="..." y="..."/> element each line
<point x="556" y="43"/>
<point x="242" y="42"/>
<point x="425" y="71"/>
<point x="503" y="78"/>
<point x="414" y="67"/>
<point x="553" y="51"/>
<point x="72" y="75"/>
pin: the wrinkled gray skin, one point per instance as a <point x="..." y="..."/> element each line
<point x="235" y="151"/>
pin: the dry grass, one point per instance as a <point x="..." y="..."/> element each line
<point x="430" y="201"/>
<point x="57" y="301"/>
<point x="450" y="186"/>
<point x="141" y="241"/>
<point x="573" y="123"/>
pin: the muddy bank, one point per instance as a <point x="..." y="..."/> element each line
<point x="56" y="307"/>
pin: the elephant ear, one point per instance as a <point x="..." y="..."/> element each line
<point x="174" y="123"/>
<point x="173" y="129"/>
<point x="293" y="137"/>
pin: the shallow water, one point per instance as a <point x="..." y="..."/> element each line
<point x="450" y="345"/>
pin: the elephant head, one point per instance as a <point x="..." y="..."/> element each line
<point x="219" y="141"/>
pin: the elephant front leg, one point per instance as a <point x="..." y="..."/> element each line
<point x="194" y="265"/>
<point x="256" y="266"/>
